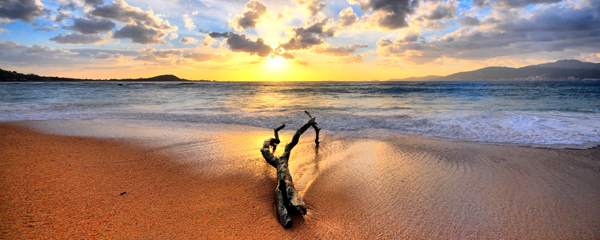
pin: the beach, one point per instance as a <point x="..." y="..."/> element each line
<point x="302" y="119"/>
<point x="148" y="180"/>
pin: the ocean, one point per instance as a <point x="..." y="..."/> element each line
<point x="539" y="113"/>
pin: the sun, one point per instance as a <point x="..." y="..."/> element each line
<point x="276" y="64"/>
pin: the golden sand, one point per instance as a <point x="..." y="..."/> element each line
<point x="68" y="187"/>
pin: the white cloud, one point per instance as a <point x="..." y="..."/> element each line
<point x="188" y="22"/>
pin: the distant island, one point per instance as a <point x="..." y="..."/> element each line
<point x="12" y="76"/>
<point x="559" y="70"/>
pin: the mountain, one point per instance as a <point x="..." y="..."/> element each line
<point x="12" y="76"/>
<point x="559" y="70"/>
<point x="570" y="64"/>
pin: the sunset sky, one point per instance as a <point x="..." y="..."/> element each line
<point x="291" y="40"/>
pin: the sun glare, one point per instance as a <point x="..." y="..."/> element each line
<point x="276" y="64"/>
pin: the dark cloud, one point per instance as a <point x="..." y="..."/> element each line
<point x="91" y="26"/>
<point x="341" y="51"/>
<point x="392" y="13"/>
<point x="240" y="43"/>
<point x="469" y="21"/>
<point x="440" y="12"/>
<point x="553" y="29"/>
<point x="306" y="37"/>
<point x="94" y="2"/>
<point x="313" y="6"/>
<point x="76" y="38"/>
<point x="219" y="35"/>
<point x="121" y="11"/>
<point x="26" y="10"/>
<point x="413" y="37"/>
<point x="252" y="12"/>
<point x="140" y="34"/>
<point x="512" y="3"/>
<point x="347" y="17"/>
<point x="142" y="26"/>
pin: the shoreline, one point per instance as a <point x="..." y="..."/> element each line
<point x="45" y="126"/>
<point x="213" y="183"/>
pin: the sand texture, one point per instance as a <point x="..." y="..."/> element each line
<point x="214" y="184"/>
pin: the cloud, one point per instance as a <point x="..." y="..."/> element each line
<point x="188" y="40"/>
<point x="512" y="3"/>
<point x="550" y="29"/>
<point x="434" y="14"/>
<point x="123" y="12"/>
<point x="313" y="6"/>
<point x="65" y="10"/>
<point x="62" y="15"/>
<point x="94" y="53"/>
<point x="219" y="35"/>
<point x="340" y="51"/>
<point x="188" y="22"/>
<point x="347" y="17"/>
<point x="440" y="12"/>
<point x="26" y="10"/>
<point x="15" y="54"/>
<point x="306" y="37"/>
<point x="141" y="26"/>
<point x="390" y="14"/>
<point x="76" y="38"/>
<point x="469" y="21"/>
<point x="252" y="12"/>
<point x="240" y="43"/>
<point x="140" y="34"/>
<point x="94" y="2"/>
<point x="411" y="37"/>
<point x="91" y="26"/>
<point x="173" y="56"/>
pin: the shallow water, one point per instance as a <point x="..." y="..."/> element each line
<point x="548" y="113"/>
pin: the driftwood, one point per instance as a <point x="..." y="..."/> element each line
<point x="287" y="199"/>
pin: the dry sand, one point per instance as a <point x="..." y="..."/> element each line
<point x="215" y="185"/>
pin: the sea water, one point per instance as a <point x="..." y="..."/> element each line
<point x="546" y="113"/>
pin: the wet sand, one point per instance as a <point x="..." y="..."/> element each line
<point x="213" y="184"/>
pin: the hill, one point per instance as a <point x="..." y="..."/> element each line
<point x="559" y="70"/>
<point x="12" y="76"/>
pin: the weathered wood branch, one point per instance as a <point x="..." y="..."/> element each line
<point x="287" y="199"/>
<point x="317" y="129"/>
<point x="266" y="151"/>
